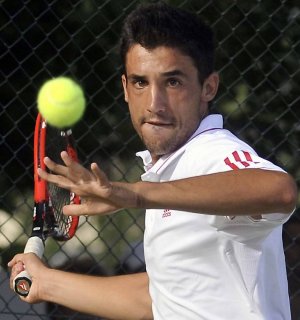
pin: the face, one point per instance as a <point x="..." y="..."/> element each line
<point x="165" y="98"/>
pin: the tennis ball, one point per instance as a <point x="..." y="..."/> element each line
<point x="61" y="102"/>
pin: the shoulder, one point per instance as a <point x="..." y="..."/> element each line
<point x="220" y="139"/>
<point x="220" y="150"/>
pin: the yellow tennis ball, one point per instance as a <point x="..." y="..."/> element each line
<point x="61" y="102"/>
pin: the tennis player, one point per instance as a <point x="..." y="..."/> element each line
<point x="214" y="207"/>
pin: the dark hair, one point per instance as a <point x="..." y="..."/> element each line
<point x="158" y="24"/>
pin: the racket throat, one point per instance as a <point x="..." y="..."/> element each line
<point x="39" y="215"/>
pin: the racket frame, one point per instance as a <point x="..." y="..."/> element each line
<point x="42" y="212"/>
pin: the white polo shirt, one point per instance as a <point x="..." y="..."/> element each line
<point x="209" y="267"/>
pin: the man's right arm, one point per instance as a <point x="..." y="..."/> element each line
<point x="115" y="297"/>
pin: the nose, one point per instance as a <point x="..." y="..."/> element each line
<point x="157" y="99"/>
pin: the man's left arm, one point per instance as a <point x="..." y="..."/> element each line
<point x="237" y="192"/>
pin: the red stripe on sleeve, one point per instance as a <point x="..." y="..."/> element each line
<point x="247" y="156"/>
<point x="238" y="158"/>
<point x="230" y="164"/>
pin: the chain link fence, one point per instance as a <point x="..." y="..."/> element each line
<point x="258" y="57"/>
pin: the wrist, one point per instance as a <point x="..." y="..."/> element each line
<point x="127" y="195"/>
<point x="47" y="285"/>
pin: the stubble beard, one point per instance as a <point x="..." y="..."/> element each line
<point x="158" y="148"/>
<point x="167" y="145"/>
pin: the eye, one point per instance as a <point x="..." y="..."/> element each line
<point x="139" y="83"/>
<point x="173" y="82"/>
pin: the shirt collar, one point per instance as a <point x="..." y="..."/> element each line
<point x="210" y="122"/>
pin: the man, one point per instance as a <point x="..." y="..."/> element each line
<point x="215" y="209"/>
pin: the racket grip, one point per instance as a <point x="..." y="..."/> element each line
<point x="22" y="282"/>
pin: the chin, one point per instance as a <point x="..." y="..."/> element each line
<point x="160" y="150"/>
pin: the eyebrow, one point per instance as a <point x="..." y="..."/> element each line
<point x="134" y="76"/>
<point x="173" y="73"/>
<point x="166" y="74"/>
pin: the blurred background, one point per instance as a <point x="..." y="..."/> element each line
<point x="258" y="57"/>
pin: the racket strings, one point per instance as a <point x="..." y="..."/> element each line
<point x="61" y="224"/>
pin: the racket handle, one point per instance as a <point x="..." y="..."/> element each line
<point x="22" y="282"/>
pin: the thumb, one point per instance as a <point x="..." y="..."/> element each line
<point x="74" y="210"/>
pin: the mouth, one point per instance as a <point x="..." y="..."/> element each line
<point x="158" y="123"/>
<point x="157" y="127"/>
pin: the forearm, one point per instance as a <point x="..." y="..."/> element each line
<point x="242" y="192"/>
<point x="117" y="297"/>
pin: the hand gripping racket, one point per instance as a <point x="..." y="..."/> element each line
<point x="48" y="219"/>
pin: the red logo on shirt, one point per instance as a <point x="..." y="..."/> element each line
<point x="239" y="159"/>
<point x="167" y="213"/>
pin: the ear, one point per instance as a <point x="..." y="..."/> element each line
<point x="210" y="87"/>
<point x="124" y="83"/>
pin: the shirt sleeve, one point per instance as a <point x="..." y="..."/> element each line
<point x="243" y="158"/>
<point x="231" y="153"/>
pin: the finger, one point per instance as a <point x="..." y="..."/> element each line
<point x="58" y="180"/>
<point x="61" y="169"/>
<point x="55" y="167"/>
<point x="15" y="259"/>
<point x="99" y="174"/>
<point x="16" y="264"/>
<point x="16" y="269"/>
<point x="42" y="173"/>
<point x="74" y="210"/>
<point x="76" y="172"/>
<point x="68" y="161"/>
<point x="83" y="209"/>
<point x="90" y="208"/>
<point x="71" y="164"/>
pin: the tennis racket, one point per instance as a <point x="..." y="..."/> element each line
<point x="48" y="219"/>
